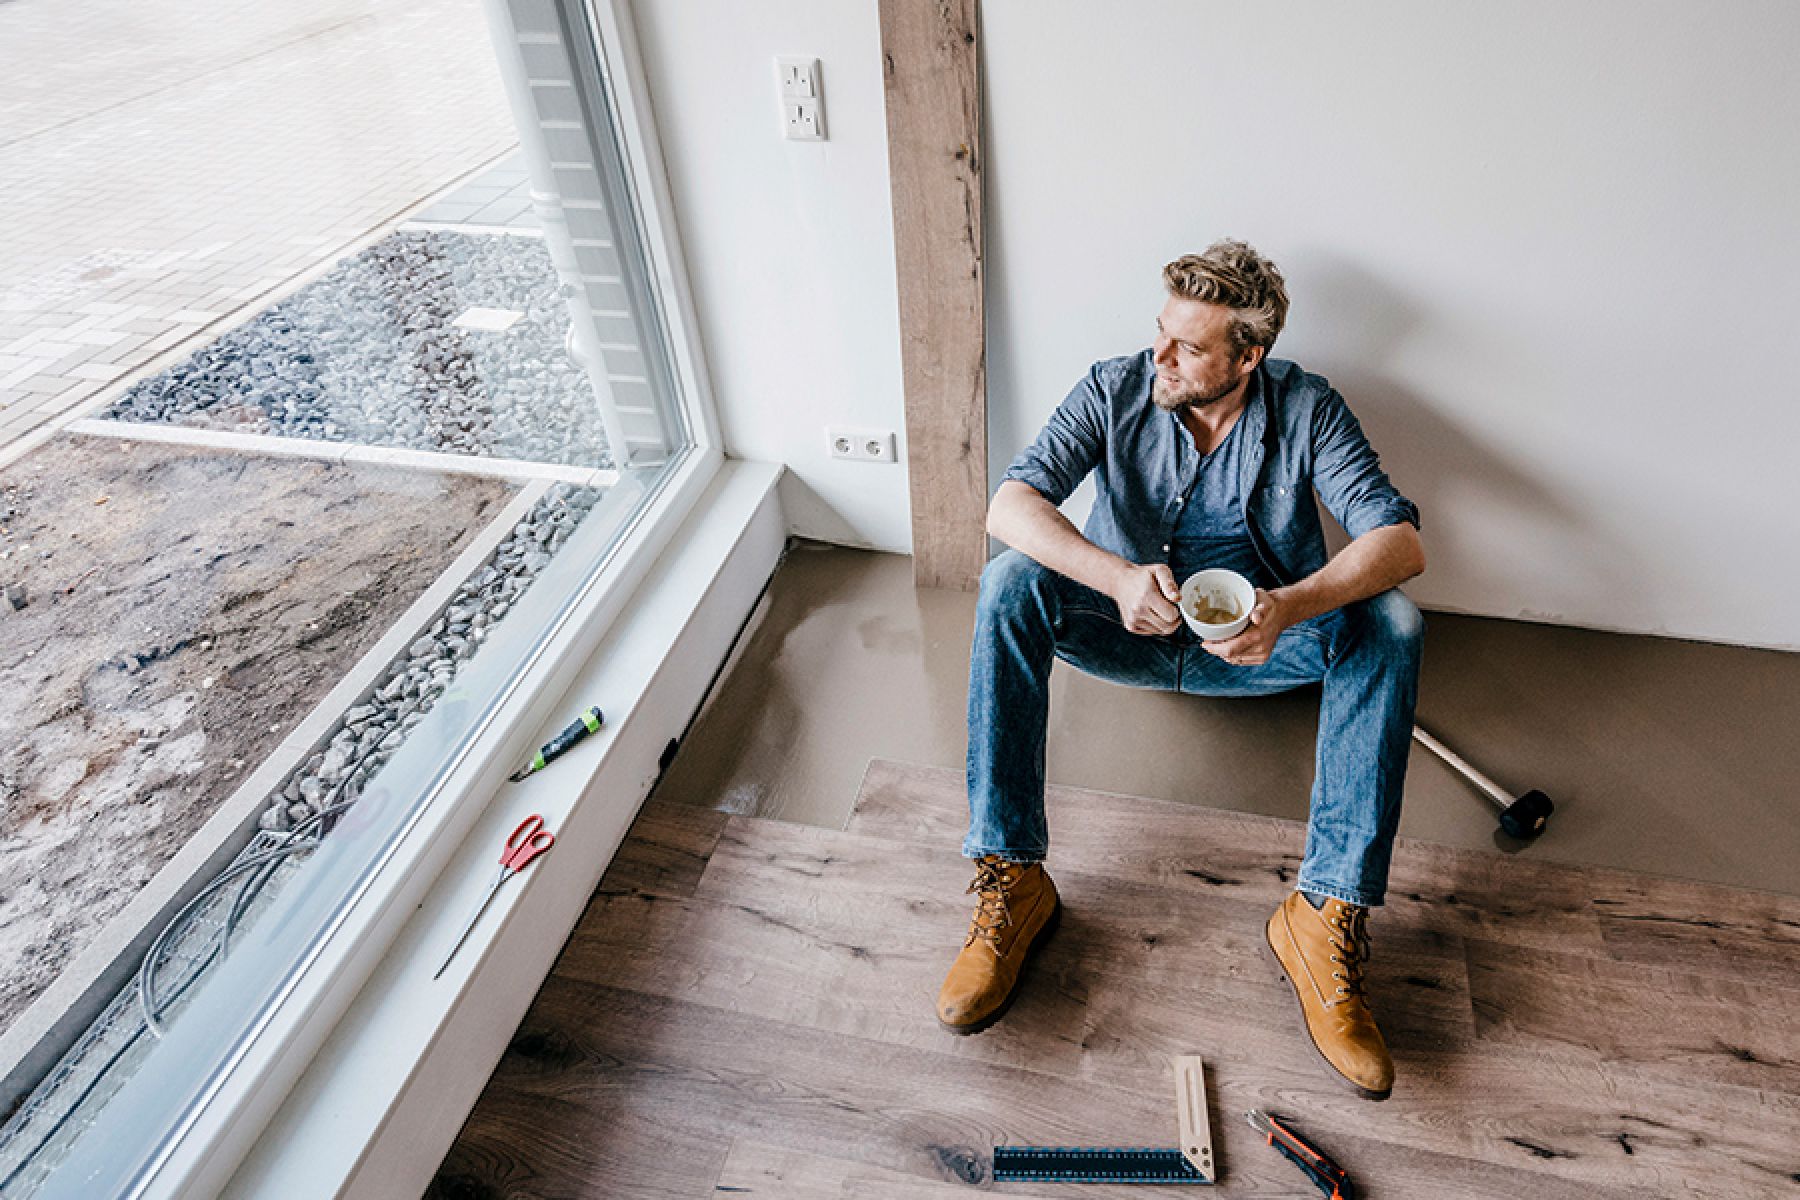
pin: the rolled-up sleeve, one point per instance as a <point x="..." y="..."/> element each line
<point x="1348" y="475"/>
<point x="1070" y="445"/>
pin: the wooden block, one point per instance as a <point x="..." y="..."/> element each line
<point x="1194" y="1119"/>
<point x="519" y="1144"/>
<point x="935" y="164"/>
<point x="665" y="851"/>
<point x="1732" y="932"/>
<point x="629" y="940"/>
<point x="1739" y="1140"/>
<point x="910" y="803"/>
<point x="1693" y="1027"/>
<point x="1476" y="894"/>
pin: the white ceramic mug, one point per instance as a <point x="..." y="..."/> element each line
<point x="1217" y="588"/>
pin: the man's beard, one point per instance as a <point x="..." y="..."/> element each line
<point x="1169" y="400"/>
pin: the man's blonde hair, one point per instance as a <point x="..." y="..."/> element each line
<point x="1233" y="274"/>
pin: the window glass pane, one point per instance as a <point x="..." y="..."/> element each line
<point x="332" y="367"/>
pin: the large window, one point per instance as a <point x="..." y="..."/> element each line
<point x="334" y="366"/>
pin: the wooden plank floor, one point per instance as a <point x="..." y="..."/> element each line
<point x="746" y="1010"/>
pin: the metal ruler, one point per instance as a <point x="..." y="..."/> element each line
<point x="1193" y="1163"/>
<point x="1068" y="1164"/>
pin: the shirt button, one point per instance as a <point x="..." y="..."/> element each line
<point x="1180" y="500"/>
<point x="1165" y="549"/>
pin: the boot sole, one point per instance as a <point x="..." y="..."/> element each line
<point x="1300" y="1013"/>
<point x="1043" y="935"/>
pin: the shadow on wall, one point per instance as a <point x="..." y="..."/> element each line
<point x="1466" y="489"/>
<point x="806" y="509"/>
<point x="1005" y="433"/>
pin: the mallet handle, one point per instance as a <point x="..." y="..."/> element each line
<point x="1498" y="794"/>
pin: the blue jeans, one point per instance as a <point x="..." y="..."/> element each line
<point x="1366" y="654"/>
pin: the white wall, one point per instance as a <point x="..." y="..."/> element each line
<point x="1549" y="252"/>
<point x="789" y="245"/>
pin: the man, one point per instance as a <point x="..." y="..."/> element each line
<point x="1207" y="454"/>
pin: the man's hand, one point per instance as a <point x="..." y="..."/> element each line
<point x="1149" y="602"/>
<point x="1252" y="647"/>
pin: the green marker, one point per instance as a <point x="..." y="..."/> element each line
<point x="559" y="745"/>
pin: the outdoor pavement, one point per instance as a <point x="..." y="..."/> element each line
<point x="498" y="198"/>
<point x="170" y="162"/>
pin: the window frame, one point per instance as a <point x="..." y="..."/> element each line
<point x="216" y="1132"/>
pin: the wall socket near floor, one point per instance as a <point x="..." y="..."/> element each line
<point x="861" y="445"/>
<point x="802" y="101"/>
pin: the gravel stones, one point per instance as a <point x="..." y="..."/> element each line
<point x="372" y="730"/>
<point x="367" y="354"/>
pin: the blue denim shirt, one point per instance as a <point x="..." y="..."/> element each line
<point x="1303" y="438"/>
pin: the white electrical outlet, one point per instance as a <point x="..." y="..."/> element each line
<point x="861" y="445"/>
<point x="802" y="103"/>
<point x="799" y="77"/>
<point x="800" y="121"/>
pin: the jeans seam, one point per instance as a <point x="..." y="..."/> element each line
<point x="1352" y="895"/>
<point x="1036" y="856"/>
<point x="1086" y="610"/>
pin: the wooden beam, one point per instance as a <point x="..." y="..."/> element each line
<point x="933" y="84"/>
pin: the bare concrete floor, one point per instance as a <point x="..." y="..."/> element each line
<point x="1672" y="757"/>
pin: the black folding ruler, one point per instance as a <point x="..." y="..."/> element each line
<point x="1193" y="1163"/>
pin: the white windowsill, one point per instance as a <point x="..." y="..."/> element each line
<point x="376" y="1107"/>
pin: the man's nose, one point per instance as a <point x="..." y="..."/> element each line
<point x="1163" y="351"/>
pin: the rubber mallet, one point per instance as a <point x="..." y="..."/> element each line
<point x="1522" y="817"/>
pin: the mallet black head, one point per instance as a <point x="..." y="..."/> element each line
<point x="1525" y="817"/>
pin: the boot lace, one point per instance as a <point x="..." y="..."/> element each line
<point x="1350" y="947"/>
<point x="991" y="912"/>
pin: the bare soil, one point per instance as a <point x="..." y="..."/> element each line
<point x="183" y="610"/>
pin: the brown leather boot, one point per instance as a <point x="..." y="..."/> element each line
<point x="1323" y="952"/>
<point x="1016" y="910"/>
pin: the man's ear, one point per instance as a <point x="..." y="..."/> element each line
<point x="1253" y="357"/>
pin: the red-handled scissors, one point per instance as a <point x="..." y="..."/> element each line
<point x="528" y="841"/>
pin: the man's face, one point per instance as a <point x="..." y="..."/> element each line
<point x="1195" y="364"/>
